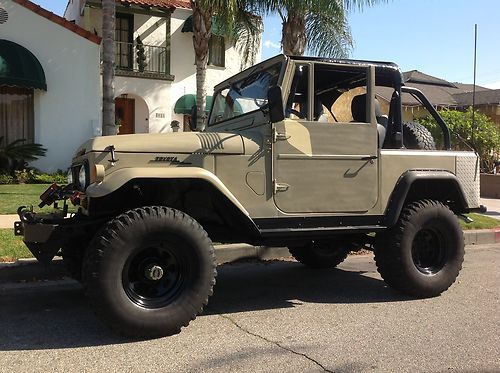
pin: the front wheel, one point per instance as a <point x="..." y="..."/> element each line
<point x="423" y="254"/>
<point x="149" y="271"/>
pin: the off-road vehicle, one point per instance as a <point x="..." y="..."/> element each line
<point x="296" y="152"/>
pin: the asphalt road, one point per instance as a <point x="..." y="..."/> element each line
<point x="272" y="317"/>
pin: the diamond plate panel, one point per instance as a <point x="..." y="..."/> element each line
<point x="467" y="171"/>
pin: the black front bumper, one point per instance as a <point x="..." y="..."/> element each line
<point x="43" y="234"/>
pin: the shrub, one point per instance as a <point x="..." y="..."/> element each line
<point x="58" y="177"/>
<point x="29" y="176"/>
<point x="486" y="139"/>
<point x="24" y="176"/>
<point x="6" y="179"/>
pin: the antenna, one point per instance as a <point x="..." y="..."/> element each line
<point x="473" y="127"/>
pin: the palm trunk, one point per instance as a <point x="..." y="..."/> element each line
<point x="202" y="24"/>
<point x="108" y="67"/>
<point x="293" y="38"/>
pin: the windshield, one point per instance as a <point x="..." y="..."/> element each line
<point x="245" y="96"/>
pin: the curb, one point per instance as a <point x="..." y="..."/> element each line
<point x="482" y="236"/>
<point x="28" y="270"/>
<point x="25" y="270"/>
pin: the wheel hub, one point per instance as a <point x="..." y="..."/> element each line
<point x="429" y="252"/>
<point x="154" y="272"/>
<point x="154" y="276"/>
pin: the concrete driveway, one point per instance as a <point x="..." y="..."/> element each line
<point x="272" y="317"/>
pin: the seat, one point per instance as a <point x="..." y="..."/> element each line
<point x="319" y="113"/>
<point x="358" y="110"/>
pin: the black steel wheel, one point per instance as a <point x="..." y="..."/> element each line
<point x="149" y="271"/>
<point x="155" y="276"/>
<point x="429" y="251"/>
<point x="423" y="254"/>
<point x="321" y="254"/>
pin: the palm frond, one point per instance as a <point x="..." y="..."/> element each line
<point x="360" y="4"/>
<point x="17" y="152"/>
<point x="248" y="29"/>
<point x="329" y="35"/>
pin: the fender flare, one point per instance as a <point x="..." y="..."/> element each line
<point x="404" y="184"/>
<point x="118" y="178"/>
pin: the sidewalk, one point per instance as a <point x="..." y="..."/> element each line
<point x="7" y="221"/>
<point x="493" y="206"/>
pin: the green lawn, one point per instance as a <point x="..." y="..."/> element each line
<point x="15" y="195"/>
<point x="480" y="222"/>
<point x="12" y="247"/>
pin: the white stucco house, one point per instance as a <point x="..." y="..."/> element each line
<point x="49" y="81"/>
<point x="61" y="107"/>
<point x="160" y="89"/>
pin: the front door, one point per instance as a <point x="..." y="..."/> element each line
<point x="325" y="167"/>
<point x="125" y="115"/>
<point x="324" y="162"/>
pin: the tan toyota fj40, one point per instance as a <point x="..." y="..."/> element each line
<point x="296" y="152"/>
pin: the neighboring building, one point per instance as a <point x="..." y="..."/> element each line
<point x="155" y="73"/>
<point x="444" y="95"/>
<point x="49" y="81"/>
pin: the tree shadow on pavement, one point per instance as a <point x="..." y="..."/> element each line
<point x="57" y="315"/>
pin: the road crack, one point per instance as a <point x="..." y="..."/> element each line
<point x="232" y="321"/>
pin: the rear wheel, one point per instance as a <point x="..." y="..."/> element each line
<point x="150" y="271"/>
<point x="320" y="254"/>
<point x="423" y="254"/>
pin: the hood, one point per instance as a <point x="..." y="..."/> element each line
<point x="179" y="142"/>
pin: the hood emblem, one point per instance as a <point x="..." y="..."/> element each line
<point x="171" y="160"/>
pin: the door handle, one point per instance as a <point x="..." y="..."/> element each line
<point x="369" y="158"/>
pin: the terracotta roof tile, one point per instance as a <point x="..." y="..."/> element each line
<point x="169" y="4"/>
<point x="59" y="20"/>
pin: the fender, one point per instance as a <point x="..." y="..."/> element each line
<point x="404" y="184"/>
<point x="116" y="179"/>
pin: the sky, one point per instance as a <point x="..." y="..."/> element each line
<point x="433" y="36"/>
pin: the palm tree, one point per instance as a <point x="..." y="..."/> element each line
<point x="318" y="26"/>
<point x="235" y="22"/>
<point x="108" y="67"/>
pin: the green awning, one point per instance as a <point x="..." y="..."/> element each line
<point x="19" y="67"/>
<point x="185" y="103"/>
<point x="188" y="26"/>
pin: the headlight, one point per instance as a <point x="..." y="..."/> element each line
<point x="70" y="176"/>
<point x="83" y="177"/>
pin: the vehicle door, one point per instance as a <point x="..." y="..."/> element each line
<point x="321" y="162"/>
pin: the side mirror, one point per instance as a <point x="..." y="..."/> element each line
<point x="275" y="102"/>
<point x="193" y="119"/>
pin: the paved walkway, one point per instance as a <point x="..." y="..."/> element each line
<point x="493" y="205"/>
<point x="7" y="221"/>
